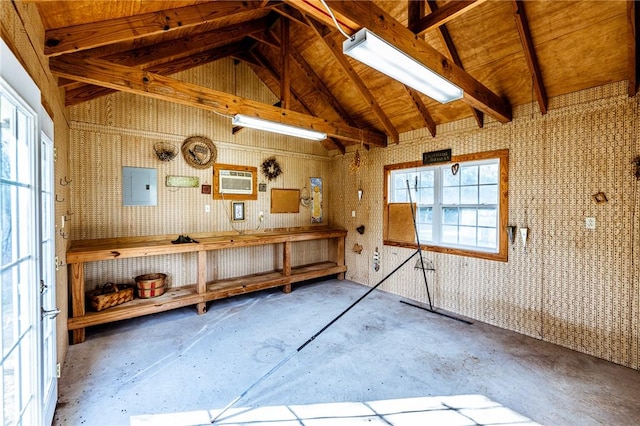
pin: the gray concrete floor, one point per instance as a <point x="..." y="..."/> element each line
<point x="381" y="352"/>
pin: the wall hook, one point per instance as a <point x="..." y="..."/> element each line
<point x="65" y="182"/>
<point x="58" y="200"/>
<point x="64" y="234"/>
<point x="69" y="214"/>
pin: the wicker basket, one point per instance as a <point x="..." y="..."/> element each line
<point x="150" y="285"/>
<point x="109" y="295"/>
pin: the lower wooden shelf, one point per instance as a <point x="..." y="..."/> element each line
<point x="174" y="298"/>
<point x="178" y="297"/>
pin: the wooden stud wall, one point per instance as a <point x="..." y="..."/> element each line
<point x="573" y="286"/>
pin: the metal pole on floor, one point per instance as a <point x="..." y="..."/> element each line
<point x="415" y="227"/>
<point x="311" y="339"/>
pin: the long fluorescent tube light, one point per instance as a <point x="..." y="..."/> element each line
<point x="370" y="49"/>
<point x="272" y="126"/>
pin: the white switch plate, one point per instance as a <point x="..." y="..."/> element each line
<point x="353" y="213"/>
<point x="590" y="223"/>
<point x="207" y="208"/>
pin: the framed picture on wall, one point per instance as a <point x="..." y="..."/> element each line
<point x="237" y="210"/>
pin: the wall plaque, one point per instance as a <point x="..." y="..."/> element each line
<point x="442" y="156"/>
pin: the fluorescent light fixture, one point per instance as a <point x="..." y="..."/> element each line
<point x="370" y="49"/>
<point x="272" y="126"/>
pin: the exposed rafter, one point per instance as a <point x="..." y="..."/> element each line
<point x="530" y="54"/>
<point x="632" y="46"/>
<point x="127" y="79"/>
<point x="344" y="64"/>
<point x="83" y="92"/>
<point x="285" y="71"/>
<point x="443" y="15"/>
<point x="424" y="113"/>
<point x="95" y="34"/>
<point x="384" y="25"/>
<point x="273" y="80"/>
<point x="450" y="47"/>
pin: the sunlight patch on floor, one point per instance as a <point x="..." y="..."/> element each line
<point x="459" y="410"/>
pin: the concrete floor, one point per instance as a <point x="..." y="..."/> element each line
<point x="382" y="355"/>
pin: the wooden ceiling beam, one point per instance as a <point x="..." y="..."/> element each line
<point x="384" y="25"/>
<point x="632" y="47"/>
<point x="159" y="53"/>
<point x="346" y="67"/>
<point x="285" y="68"/>
<point x="443" y="14"/>
<point x="91" y="35"/>
<point x="144" y="83"/>
<point x="317" y="82"/>
<point x="530" y="54"/>
<point x="422" y="109"/>
<point x="273" y="80"/>
<point x="452" y="51"/>
<point x="83" y="92"/>
<point x="292" y="14"/>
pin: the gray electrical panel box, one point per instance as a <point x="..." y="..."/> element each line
<point x="139" y="186"/>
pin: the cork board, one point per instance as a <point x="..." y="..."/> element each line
<point x="400" y="226"/>
<point x="285" y="200"/>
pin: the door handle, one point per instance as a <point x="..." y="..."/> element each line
<point x="50" y="314"/>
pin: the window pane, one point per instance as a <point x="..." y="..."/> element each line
<point x="469" y="195"/>
<point x="398" y="180"/>
<point x="487" y="237"/>
<point x="426" y="233"/>
<point x="489" y="173"/>
<point x="448" y="178"/>
<point x="449" y="234"/>
<point x="427" y="178"/>
<point x="468" y="235"/>
<point x="425" y="196"/>
<point x="487" y="217"/>
<point x="450" y="216"/>
<point x="400" y="196"/>
<point x="469" y="175"/>
<point x="451" y="195"/>
<point x="489" y="194"/>
<point x="468" y="217"/>
<point x="425" y="215"/>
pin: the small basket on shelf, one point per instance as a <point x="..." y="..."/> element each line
<point x="150" y="285"/>
<point x="109" y="295"/>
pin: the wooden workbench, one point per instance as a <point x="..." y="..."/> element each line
<point x="82" y="251"/>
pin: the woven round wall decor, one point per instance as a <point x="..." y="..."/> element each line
<point x="199" y="152"/>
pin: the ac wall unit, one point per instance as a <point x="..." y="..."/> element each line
<point x="235" y="182"/>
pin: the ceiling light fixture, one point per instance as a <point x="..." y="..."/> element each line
<point x="377" y="53"/>
<point x="272" y="126"/>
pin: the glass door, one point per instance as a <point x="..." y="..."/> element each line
<point x="47" y="287"/>
<point x="19" y="269"/>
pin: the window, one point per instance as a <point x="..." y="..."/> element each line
<point x="461" y="207"/>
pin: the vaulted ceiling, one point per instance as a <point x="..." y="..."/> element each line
<point x="501" y="53"/>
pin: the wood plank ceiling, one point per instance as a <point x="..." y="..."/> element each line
<point x="502" y="53"/>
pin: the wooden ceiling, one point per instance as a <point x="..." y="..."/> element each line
<point x="502" y="53"/>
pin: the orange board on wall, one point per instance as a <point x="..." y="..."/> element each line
<point x="285" y="200"/>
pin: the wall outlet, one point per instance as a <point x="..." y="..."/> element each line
<point x="353" y="213"/>
<point x="590" y="223"/>
<point x="207" y="208"/>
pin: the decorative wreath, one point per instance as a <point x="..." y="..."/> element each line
<point x="199" y="152"/>
<point x="270" y="168"/>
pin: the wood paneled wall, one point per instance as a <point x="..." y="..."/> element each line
<point x="573" y="286"/>
<point x="120" y="130"/>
